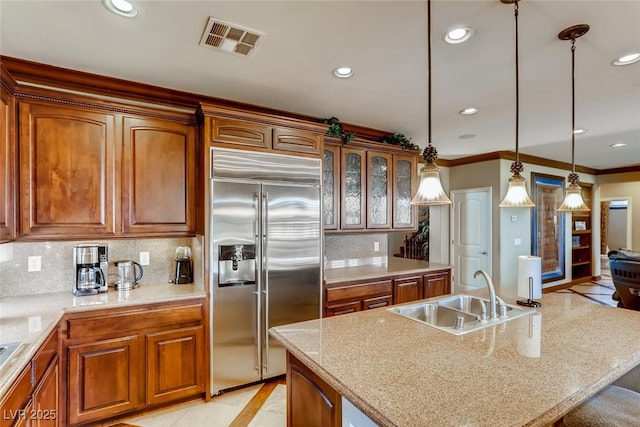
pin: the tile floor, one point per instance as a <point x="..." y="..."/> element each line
<point x="222" y="410"/>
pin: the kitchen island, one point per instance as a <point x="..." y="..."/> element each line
<point x="528" y="371"/>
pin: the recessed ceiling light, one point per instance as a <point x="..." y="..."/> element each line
<point x="618" y="145"/>
<point x="580" y="131"/>
<point x="343" y="72"/>
<point x="458" y="35"/>
<point x="627" y="59"/>
<point x="121" y="7"/>
<point x="467" y="136"/>
<point x="469" y="111"/>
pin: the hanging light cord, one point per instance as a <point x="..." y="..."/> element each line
<point x="573" y="176"/>
<point x="430" y="154"/>
<point x="517" y="167"/>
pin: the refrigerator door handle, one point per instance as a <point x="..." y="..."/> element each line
<point x="256" y="197"/>
<point x="265" y="268"/>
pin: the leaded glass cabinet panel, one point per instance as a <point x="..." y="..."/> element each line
<point x="405" y="179"/>
<point x="331" y="187"/>
<point x="379" y="190"/>
<point x="353" y="185"/>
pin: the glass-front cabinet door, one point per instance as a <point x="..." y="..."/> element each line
<point x="405" y="180"/>
<point x="379" y="190"/>
<point x="331" y="187"/>
<point x="353" y="185"/>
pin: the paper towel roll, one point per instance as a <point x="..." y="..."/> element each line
<point x="529" y="335"/>
<point x="529" y="266"/>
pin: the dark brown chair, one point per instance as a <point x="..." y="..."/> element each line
<point x="625" y="272"/>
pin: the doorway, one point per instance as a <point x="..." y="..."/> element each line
<point x="471" y="245"/>
<point x="615" y="228"/>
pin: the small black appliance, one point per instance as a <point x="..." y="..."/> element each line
<point x="184" y="269"/>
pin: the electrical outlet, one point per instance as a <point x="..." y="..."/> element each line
<point x="35" y="263"/>
<point x="517" y="241"/>
<point x="144" y="258"/>
<point x="376" y="246"/>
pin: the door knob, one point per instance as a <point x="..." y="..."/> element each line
<point x="483" y="253"/>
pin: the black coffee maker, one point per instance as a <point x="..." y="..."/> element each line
<point x="184" y="270"/>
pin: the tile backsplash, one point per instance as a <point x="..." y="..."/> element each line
<point x="57" y="272"/>
<point x="348" y="250"/>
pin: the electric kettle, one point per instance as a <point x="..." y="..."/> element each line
<point x="129" y="274"/>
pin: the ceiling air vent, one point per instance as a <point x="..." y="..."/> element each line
<point x="229" y="37"/>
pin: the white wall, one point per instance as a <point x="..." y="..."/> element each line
<point x="611" y="188"/>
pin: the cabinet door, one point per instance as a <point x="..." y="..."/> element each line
<point x="296" y="141"/>
<point x="379" y="190"/>
<point x="46" y="398"/>
<point x="7" y="168"/>
<point x="175" y="364"/>
<point x="13" y="403"/>
<point x="437" y="284"/>
<point x="158" y="177"/>
<point x="67" y="164"/>
<point x="240" y="133"/>
<point x="104" y="379"/>
<point x="407" y="289"/>
<point x="331" y="187"/>
<point x="405" y="178"/>
<point x="311" y="402"/>
<point x="353" y="178"/>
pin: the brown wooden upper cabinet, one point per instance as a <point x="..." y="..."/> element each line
<point x="331" y="187"/>
<point x="353" y="188"/>
<point x="67" y="164"/>
<point x="258" y="136"/>
<point x="7" y="168"/>
<point x="379" y="189"/>
<point x="93" y="173"/>
<point x="158" y="177"/>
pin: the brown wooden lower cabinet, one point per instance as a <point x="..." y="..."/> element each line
<point x="174" y="364"/>
<point x="436" y="284"/>
<point x="349" y="297"/>
<point x="125" y="360"/>
<point x="311" y="402"/>
<point x="104" y="378"/>
<point x="33" y="399"/>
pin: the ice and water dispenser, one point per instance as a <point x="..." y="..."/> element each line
<point x="236" y="265"/>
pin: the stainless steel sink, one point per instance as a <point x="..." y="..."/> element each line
<point x="457" y="314"/>
<point x="6" y="350"/>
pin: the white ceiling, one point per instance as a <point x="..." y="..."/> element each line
<point x="385" y="42"/>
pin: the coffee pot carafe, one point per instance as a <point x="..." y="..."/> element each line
<point x="129" y="274"/>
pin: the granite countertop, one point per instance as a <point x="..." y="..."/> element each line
<point x="527" y="371"/>
<point x="392" y="266"/>
<point x="30" y="319"/>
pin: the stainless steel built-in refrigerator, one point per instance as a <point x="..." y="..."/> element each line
<point x="265" y="249"/>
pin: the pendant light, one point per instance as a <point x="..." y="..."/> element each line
<point x="430" y="191"/>
<point x="573" y="201"/>
<point x="516" y="196"/>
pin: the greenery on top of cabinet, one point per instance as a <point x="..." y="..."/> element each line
<point x="335" y="129"/>
<point x="401" y="140"/>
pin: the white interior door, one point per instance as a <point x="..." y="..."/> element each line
<point x="471" y="243"/>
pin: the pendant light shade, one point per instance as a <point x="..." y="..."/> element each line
<point x="430" y="191"/>
<point x="573" y="201"/>
<point x="516" y="196"/>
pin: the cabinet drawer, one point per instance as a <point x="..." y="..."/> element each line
<point x="343" y="308"/>
<point x="360" y="291"/>
<point x="129" y="321"/>
<point x="239" y="132"/>
<point x="296" y="141"/>
<point x="377" y="302"/>
<point x="46" y="353"/>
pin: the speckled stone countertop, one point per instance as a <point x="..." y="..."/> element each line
<point x="528" y="371"/>
<point x="30" y="319"/>
<point x="392" y="267"/>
